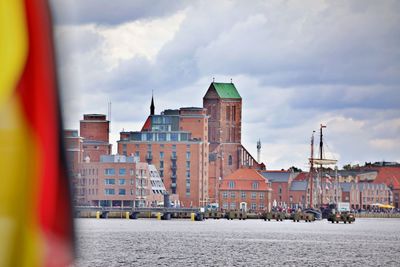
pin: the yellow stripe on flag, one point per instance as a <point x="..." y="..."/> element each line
<point x="13" y="45"/>
<point x="19" y="230"/>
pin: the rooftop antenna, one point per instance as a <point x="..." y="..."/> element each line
<point x="258" y="150"/>
<point x="231" y="80"/>
<point x="109" y="116"/>
<point x="213" y="79"/>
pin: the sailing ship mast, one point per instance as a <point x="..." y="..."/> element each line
<point x="311" y="174"/>
<point x="315" y="194"/>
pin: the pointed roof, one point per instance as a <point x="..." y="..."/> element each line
<point x="224" y="90"/>
<point x="152" y="107"/>
<point x="147" y="125"/>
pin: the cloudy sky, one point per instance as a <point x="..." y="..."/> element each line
<point x="296" y="64"/>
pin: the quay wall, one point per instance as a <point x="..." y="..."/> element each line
<point x="378" y="215"/>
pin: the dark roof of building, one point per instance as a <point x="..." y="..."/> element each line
<point x="298" y="186"/>
<point x="191" y="108"/>
<point x="274" y="176"/>
<point x="226" y="90"/>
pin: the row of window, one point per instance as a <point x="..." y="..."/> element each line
<point x="111" y="191"/>
<point x="254" y="185"/>
<point x="112" y="181"/>
<point x="160" y="136"/>
<point x="149" y="154"/>
<point x="261" y="195"/>
<point x="111" y="171"/>
<point x="372" y="199"/>
<point x="234" y="205"/>
<point x="122" y="192"/>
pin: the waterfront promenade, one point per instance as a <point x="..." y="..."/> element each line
<point x="146" y="242"/>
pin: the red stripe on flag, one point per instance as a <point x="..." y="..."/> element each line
<point x="38" y="92"/>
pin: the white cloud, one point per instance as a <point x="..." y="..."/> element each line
<point x="143" y="38"/>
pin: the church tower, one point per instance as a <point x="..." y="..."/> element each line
<point x="224" y="106"/>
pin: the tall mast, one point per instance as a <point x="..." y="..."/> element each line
<point x="321" y="143"/>
<point x="311" y="174"/>
<point x="319" y="178"/>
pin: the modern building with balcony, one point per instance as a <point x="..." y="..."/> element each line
<point x="176" y="142"/>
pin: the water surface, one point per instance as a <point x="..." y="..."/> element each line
<point x="148" y="242"/>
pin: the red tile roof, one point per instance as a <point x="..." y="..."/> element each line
<point x="388" y="175"/>
<point x="244" y="179"/>
<point x="147" y="125"/>
<point x="301" y="176"/>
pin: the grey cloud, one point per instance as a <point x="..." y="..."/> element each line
<point x="332" y="45"/>
<point x="344" y="97"/>
<point x="111" y="12"/>
<point x="296" y="65"/>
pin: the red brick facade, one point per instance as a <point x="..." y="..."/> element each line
<point x="95" y="127"/>
<point x="224" y="108"/>
<point x="225" y="114"/>
<point x="245" y="189"/>
<point x="183" y="165"/>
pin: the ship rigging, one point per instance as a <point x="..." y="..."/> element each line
<point x="314" y="192"/>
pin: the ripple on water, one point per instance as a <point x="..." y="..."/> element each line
<point x="114" y="242"/>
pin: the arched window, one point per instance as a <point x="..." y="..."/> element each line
<point x="230" y="160"/>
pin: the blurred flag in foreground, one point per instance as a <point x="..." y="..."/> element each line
<point x="35" y="212"/>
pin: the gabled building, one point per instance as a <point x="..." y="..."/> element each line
<point x="245" y="189"/>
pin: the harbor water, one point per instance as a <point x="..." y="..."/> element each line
<point x="149" y="242"/>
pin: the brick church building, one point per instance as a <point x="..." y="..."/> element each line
<point x="227" y="154"/>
